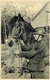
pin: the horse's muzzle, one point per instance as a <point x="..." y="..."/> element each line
<point x="10" y="43"/>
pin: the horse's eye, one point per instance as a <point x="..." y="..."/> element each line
<point x="17" y="26"/>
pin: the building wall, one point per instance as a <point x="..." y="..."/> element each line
<point x="41" y="18"/>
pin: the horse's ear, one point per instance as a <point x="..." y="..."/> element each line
<point x="19" y="15"/>
<point x="20" y="18"/>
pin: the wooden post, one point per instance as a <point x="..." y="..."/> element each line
<point x="47" y="12"/>
<point x="5" y="33"/>
<point x="46" y="21"/>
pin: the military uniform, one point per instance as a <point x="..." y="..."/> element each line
<point x="36" y="57"/>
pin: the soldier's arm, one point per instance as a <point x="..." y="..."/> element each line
<point x="41" y="47"/>
<point x="26" y="47"/>
<point x="32" y="53"/>
<point x="27" y="54"/>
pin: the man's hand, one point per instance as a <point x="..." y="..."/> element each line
<point x="21" y="42"/>
<point x="19" y="55"/>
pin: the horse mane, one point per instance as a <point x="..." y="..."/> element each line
<point x="28" y="27"/>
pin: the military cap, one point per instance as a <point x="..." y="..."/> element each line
<point x="39" y="31"/>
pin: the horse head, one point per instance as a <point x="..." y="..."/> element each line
<point x="20" y="29"/>
<point x="14" y="30"/>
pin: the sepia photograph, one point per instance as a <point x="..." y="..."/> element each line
<point x="25" y="31"/>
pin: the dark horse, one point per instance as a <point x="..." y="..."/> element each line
<point x="20" y="29"/>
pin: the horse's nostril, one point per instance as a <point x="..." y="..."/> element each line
<point x="10" y="43"/>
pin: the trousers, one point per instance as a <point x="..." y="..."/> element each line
<point x="38" y="75"/>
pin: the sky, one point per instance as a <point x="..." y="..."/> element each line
<point x="27" y="3"/>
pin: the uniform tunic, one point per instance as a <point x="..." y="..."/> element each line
<point x="36" y="58"/>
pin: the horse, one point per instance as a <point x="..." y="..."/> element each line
<point x="20" y="29"/>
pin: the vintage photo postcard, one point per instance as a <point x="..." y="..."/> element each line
<point x="24" y="39"/>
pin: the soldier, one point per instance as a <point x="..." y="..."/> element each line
<point x="36" y="55"/>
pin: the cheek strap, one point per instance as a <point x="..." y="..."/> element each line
<point x="38" y="37"/>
